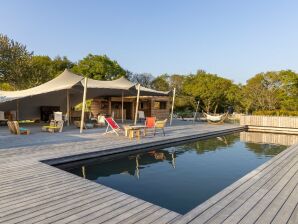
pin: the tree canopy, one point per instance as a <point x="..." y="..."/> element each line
<point x="267" y="91"/>
<point x="99" y="67"/>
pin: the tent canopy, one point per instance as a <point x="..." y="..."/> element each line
<point x="55" y="92"/>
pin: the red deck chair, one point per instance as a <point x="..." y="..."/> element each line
<point x="149" y="123"/>
<point x="113" y="125"/>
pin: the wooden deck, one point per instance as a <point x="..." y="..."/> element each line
<point x="35" y="192"/>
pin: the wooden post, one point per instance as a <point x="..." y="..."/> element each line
<point x="83" y="105"/>
<point x="173" y="102"/>
<point x="68" y="107"/>
<point x="194" y="118"/>
<point x="122" y="105"/>
<point x="137" y="105"/>
<point x="18" y="110"/>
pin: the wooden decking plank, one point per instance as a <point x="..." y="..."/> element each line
<point x="101" y="210"/>
<point x="125" y="215"/>
<point x="118" y="212"/>
<point x="30" y="208"/>
<point x="153" y="216"/>
<point x="141" y="215"/>
<point x="294" y="217"/>
<point x="269" y="205"/>
<point x="243" y="203"/>
<point x="40" y="194"/>
<point x="71" y="206"/>
<point x="168" y="218"/>
<point x="287" y="208"/>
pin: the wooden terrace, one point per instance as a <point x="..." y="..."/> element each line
<point x="32" y="191"/>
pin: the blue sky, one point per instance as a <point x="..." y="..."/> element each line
<point x="235" y="39"/>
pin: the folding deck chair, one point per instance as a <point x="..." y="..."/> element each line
<point x="115" y="128"/>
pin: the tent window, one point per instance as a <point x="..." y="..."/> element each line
<point x="160" y="105"/>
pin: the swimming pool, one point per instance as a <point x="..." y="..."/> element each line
<point x="177" y="177"/>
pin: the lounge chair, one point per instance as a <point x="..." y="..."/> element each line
<point x="16" y="129"/>
<point x="160" y="125"/>
<point x="115" y="128"/>
<point x="141" y="115"/>
<point x="149" y="123"/>
<point x="11" y="127"/>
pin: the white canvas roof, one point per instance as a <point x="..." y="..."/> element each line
<point x="62" y="82"/>
<point x="54" y="93"/>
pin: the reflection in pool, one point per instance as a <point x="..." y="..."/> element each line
<point x="178" y="177"/>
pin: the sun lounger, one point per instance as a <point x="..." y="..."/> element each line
<point x="115" y="128"/>
<point x="16" y="129"/>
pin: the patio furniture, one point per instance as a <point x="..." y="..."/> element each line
<point x="141" y="115"/>
<point x="16" y="129"/>
<point x="115" y="128"/>
<point x="216" y="119"/>
<point x="55" y="126"/>
<point x="134" y="131"/>
<point x="101" y="121"/>
<point x="160" y="125"/>
<point x="58" y="116"/>
<point x="149" y="123"/>
<point x="11" y="127"/>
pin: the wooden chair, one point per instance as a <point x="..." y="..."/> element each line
<point x="19" y="130"/>
<point x="141" y="115"/>
<point x="149" y="123"/>
<point x="11" y="127"/>
<point x="160" y="125"/>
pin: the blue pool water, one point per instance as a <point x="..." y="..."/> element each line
<point x="178" y="177"/>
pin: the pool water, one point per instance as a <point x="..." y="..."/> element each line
<point x="178" y="177"/>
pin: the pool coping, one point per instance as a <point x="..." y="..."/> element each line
<point x="143" y="146"/>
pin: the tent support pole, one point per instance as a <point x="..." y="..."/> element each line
<point x="137" y="105"/>
<point x="122" y="105"/>
<point x="83" y="105"/>
<point x="18" y="110"/>
<point x="197" y="108"/>
<point x="173" y="103"/>
<point x="68" y="107"/>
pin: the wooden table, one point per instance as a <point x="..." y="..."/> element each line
<point x="134" y="130"/>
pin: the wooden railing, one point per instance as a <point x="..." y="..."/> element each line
<point x="269" y="121"/>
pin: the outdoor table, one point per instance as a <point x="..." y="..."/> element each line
<point x="130" y="131"/>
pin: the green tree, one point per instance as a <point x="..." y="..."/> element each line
<point x="209" y="88"/>
<point x="99" y="67"/>
<point x="161" y="83"/>
<point x="145" y="79"/>
<point x="59" y="64"/>
<point x="14" y="62"/>
<point x="272" y="91"/>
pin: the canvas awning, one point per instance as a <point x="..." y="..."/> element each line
<point x="66" y="86"/>
<point x="116" y="87"/>
<point x="67" y="80"/>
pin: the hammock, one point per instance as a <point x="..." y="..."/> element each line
<point x="218" y="119"/>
